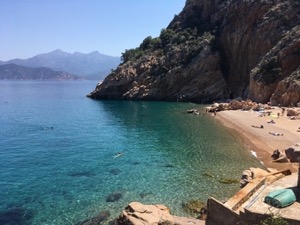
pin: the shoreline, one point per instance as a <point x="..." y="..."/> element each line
<point x="259" y="141"/>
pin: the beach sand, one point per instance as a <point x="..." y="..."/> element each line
<point x="259" y="141"/>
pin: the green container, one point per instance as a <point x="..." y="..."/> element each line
<point x="280" y="198"/>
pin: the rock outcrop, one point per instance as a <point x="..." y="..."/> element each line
<point x="216" y="50"/>
<point x="138" y="214"/>
<point x="293" y="153"/>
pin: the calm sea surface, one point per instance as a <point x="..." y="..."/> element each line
<point x="57" y="149"/>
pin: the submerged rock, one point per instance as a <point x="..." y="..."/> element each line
<point x="81" y="174"/>
<point x="206" y="174"/>
<point x="193" y="206"/>
<point x="97" y="220"/>
<point x="229" y="181"/>
<point x="114" y="197"/>
<point x="16" y="216"/>
<point x="169" y="166"/>
<point x="145" y="194"/>
<point x="115" y="171"/>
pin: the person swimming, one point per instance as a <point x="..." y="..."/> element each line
<point x="118" y="154"/>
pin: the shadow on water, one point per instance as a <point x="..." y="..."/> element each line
<point x="16" y="216"/>
<point x="115" y="171"/>
<point x="81" y="174"/>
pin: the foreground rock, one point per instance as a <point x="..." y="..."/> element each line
<point x="293" y="153"/>
<point x="138" y="214"/>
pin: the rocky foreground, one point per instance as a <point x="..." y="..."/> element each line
<point x="139" y="214"/>
<point x="216" y="50"/>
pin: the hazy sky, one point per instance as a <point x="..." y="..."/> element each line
<point x="31" y="27"/>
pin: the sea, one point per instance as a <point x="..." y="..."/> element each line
<point x="66" y="158"/>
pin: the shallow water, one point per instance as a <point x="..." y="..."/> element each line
<point x="57" y="151"/>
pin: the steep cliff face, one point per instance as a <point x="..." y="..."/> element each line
<point x="276" y="78"/>
<point x="216" y="49"/>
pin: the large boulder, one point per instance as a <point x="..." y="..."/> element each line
<point x="292" y="112"/>
<point x="293" y="153"/>
<point x="138" y="214"/>
<point x="97" y="220"/>
<point x="235" y="105"/>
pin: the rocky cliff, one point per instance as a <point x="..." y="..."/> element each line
<point x="216" y="49"/>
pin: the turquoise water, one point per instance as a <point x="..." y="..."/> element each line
<point x="57" y="151"/>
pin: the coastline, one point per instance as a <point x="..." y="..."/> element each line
<point x="259" y="141"/>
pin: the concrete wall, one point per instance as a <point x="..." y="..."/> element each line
<point x="219" y="214"/>
<point x="249" y="217"/>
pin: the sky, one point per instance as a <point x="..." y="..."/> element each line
<point x="31" y="27"/>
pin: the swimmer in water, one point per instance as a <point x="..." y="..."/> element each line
<point x="118" y="155"/>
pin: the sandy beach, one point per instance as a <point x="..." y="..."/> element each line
<point x="260" y="141"/>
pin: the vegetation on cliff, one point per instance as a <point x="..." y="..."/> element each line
<point x="215" y="50"/>
<point x="160" y="46"/>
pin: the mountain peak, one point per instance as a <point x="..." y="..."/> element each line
<point x="57" y="52"/>
<point x="81" y="64"/>
<point x="94" y="53"/>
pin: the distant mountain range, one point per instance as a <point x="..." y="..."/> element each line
<point x="90" y="66"/>
<point x="16" y="72"/>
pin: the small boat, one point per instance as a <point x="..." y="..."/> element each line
<point x="280" y="198"/>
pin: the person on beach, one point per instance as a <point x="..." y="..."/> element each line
<point x="261" y="126"/>
<point x="271" y="121"/>
<point x="276" y="154"/>
<point x="276" y="134"/>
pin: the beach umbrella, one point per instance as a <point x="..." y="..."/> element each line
<point x="298" y="184"/>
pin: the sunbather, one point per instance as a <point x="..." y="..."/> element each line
<point x="276" y="134"/>
<point x="261" y="126"/>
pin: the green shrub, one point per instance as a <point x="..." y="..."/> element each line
<point x="131" y="54"/>
<point x="150" y="43"/>
<point x="166" y="36"/>
<point x="274" y="221"/>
